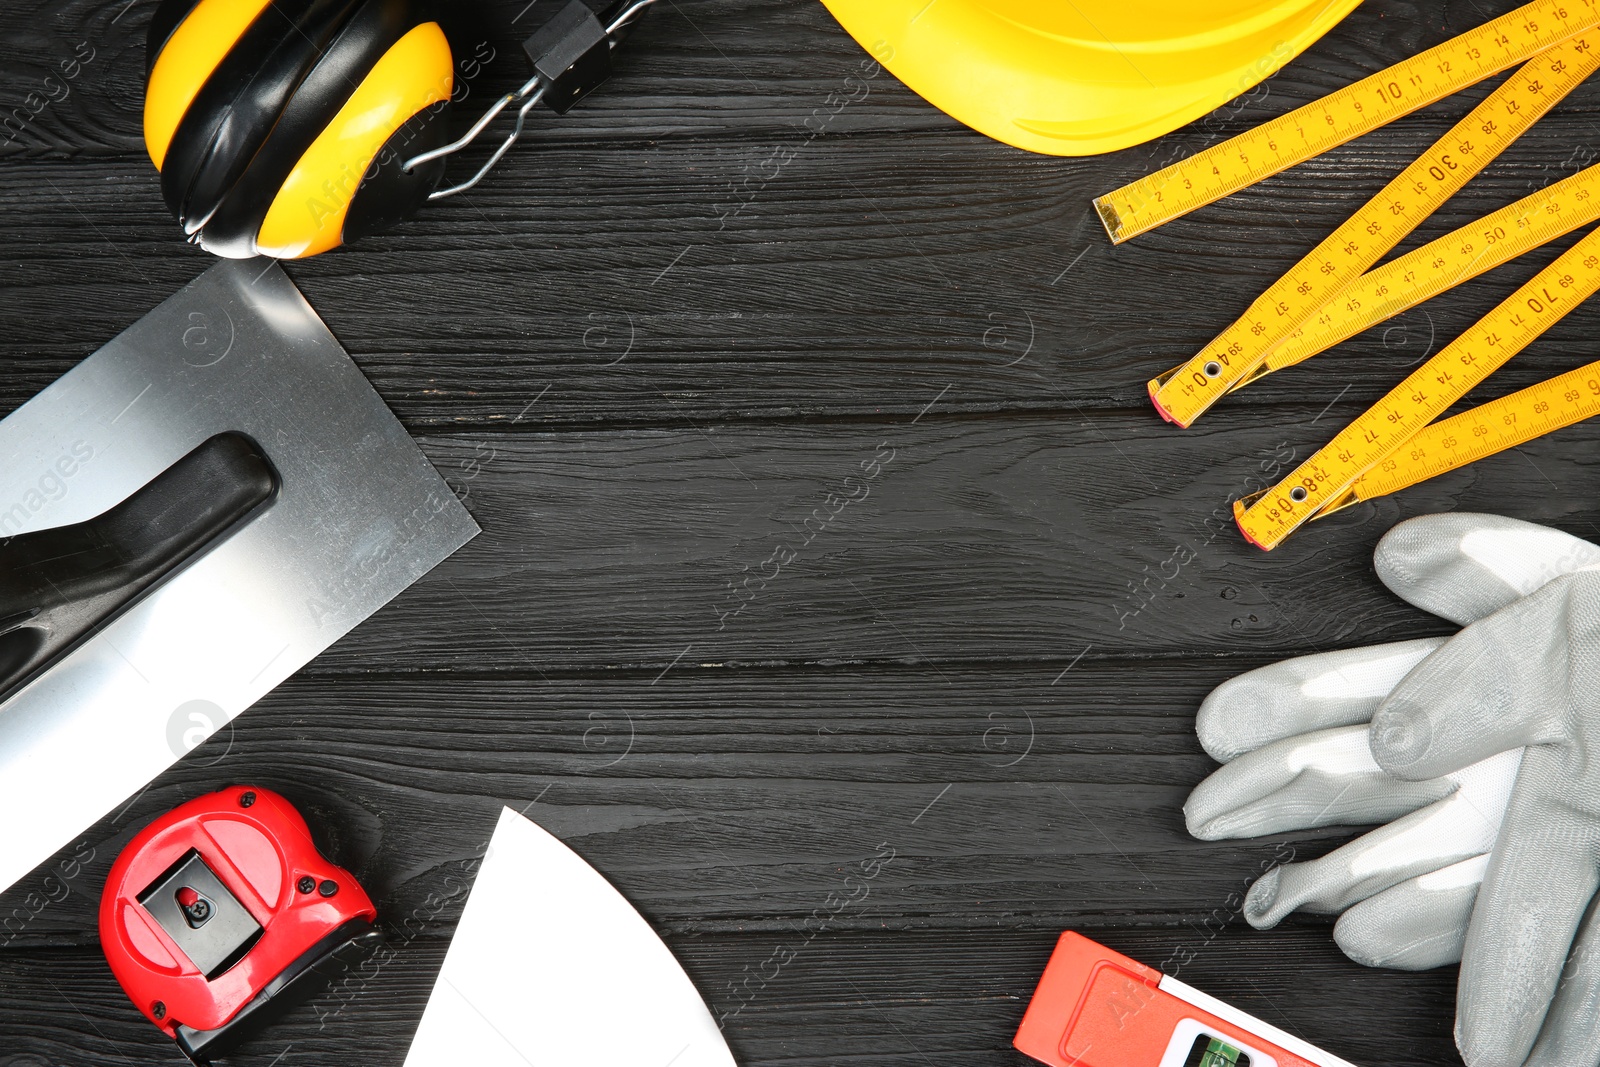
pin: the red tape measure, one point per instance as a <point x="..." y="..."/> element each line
<point x="222" y="913"/>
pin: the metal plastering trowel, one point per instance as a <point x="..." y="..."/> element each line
<point x="188" y="517"/>
<point x="550" y="965"/>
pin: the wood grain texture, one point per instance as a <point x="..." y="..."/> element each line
<point x="1013" y="539"/>
<point x="655" y="354"/>
<point x="853" y="998"/>
<point x="725" y="801"/>
<point x="606" y="262"/>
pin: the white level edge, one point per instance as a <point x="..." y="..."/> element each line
<point x="1245" y="1021"/>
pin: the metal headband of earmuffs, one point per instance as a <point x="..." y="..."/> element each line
<point x="286" y="127"/>
<point x="266" y="101"/>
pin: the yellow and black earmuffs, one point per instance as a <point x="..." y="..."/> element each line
<point x="285" y="127"/>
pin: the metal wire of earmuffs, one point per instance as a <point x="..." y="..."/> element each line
<point x="530" y="93"/>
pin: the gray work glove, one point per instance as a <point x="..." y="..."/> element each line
<point x="1527" y="676"/>
<point x="1292" y="736"/>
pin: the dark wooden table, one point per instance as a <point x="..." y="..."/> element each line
<point x="645" y="352"/>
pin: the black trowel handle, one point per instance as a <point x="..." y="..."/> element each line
<point x="59" y="587"/>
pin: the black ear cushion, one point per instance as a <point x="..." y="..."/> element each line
<point x="237" y="106"/>
<point x="364" y="38"/>
<point x="168" y="17"/>
<point x="389" y="193"/>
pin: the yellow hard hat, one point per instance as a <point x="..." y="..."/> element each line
<point x="1080" y="77"/>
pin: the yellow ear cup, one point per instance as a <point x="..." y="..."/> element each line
<point x="308" y="214"/>
<point x="1088" y="76"/>
<point x="193" y="51"/>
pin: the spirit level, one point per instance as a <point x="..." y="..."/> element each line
<point x="1097" y="1008"/>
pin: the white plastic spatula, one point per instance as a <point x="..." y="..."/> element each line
<point x="551" y="967"/>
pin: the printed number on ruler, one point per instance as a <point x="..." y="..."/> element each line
<point x="1184" y="393"/>
<point x="1439" y="265"/>
<point x="1324" y="480"/>
<point x="1481" y="432"/>
<point x="1341" y="116"/>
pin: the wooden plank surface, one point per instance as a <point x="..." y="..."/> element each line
<point x="654" y="362"/>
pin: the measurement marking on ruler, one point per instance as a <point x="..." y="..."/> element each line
<point x="1321" y="277"/>
<point x="1349" y="112"/>
<point x="1325" y="482"/>
<point x="1442" y="264"/>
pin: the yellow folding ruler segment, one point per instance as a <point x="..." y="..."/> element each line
<point x="1341" y="116"/>
<point x="1324" y="480"/>
<point x="1184" y="393"/>
<point x="1458" y="256"/>
<point x="1472" y="435"/>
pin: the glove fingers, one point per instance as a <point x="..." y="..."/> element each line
<point x="1493" y="687"/>
<point x="1416" y="925"/>
<point x="1465" y="567"/>
<point x="1541" y="878"/>
<point x="1571" y="1033"/>
<point x="1297" y="696"/>
<point x="1322" y="779"/>
<point x="1444" y="833"/>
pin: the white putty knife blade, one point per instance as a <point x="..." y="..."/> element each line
<point x="550" y="966"/>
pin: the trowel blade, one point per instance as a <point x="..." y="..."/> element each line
<point x="360" y="514"/>
<point x="550" y="967"/>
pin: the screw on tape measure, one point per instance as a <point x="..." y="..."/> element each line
<point x="1359" y="108"/>
<point x="1184" y="393"/>
<point x="1473" y="435"/>
<point x="1323" y="481"/>
<point x="1458" y="256"/>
